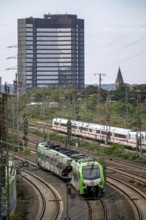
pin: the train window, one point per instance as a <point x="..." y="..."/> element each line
<point x="106" y="133"/>
<point x="83" y="129"/>
<point x="56" y="123"/>
<point x="90" y="130"/>
<point x="65" y="125"/>
<point x="98" y="131"/>
<point x="120" y="135"/>
<point x="74" y="127"/>
<point x="75" y="176"/>
<point x="91" y="172"/>
<point x="103" y="132"/>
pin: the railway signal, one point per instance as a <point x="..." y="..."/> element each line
<point x="25" y="126"/>
<point x="66" y="171"/>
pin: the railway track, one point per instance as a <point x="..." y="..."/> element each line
<point x="97" y="208"/>
<point x="136" y="206"/>
<point x="50" y="203"/>
<point x="91" y="208"/>
<point x="138" y="180"/>
<point x="134" y="196"/>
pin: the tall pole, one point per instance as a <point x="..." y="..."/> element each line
<point x="68" y="132"/>
<point x="67" y="216"/>
<point x="67" y="181"/>
<point x="99" y="91"/>
<point x="15" y="108"/>
<point x="4" y="156"/>
<point x="138" y="145"/>
<point x="25" y="139"/>
<point x="126" y="109"/>
<point x="108" y="135"/>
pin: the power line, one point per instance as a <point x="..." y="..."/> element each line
<point x="108" y="66"/>
<point x="121" y="48"/>
<point x="121" y="38"/>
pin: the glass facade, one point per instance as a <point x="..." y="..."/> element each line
<point x="51" y="51"/>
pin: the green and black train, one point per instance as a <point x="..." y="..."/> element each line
<point x="87" y="175"/>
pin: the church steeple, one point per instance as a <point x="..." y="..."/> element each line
<point x="119" y="80"/>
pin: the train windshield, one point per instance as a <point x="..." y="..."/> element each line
<point x="91" y="172"/>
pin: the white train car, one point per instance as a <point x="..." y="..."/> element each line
<point x="102" y="133"/>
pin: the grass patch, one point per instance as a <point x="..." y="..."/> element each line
<point x="118" y="150"/>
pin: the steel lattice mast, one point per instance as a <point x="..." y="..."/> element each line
<point x="15" y="106"/>
<point x="4" y="155"/>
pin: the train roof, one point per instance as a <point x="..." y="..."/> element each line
<point x="71" y="154"/>
<point x="63" y="120"/>
<point x="58" y="148"/>
<point x="92" y="125"/>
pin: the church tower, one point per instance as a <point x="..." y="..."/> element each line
<point x="119" y="80"/>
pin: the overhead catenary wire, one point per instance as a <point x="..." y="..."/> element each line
<point x="133" y="50"/>
<point x="121" y="48"/>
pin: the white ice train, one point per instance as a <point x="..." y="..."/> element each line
<point x="103" y="133"/>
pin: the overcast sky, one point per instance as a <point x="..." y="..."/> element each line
<point x="115" y="35"/>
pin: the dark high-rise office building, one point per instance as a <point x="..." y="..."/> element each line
<point x="51" y="51"/>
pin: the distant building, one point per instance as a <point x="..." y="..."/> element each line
<point x="51" y="51"/>
<point x="119" y="80"/>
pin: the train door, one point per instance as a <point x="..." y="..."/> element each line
<point x="92" y="133"/>
<point x="97" y="134"/>
<point x="127" y="138"/>
<point x="103" y="134"/>
<point x="143" y="141"/>
<point x="75" y="178"/>
<point x="132" y="140"/>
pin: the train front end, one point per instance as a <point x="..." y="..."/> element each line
<point x="92" y="181"/>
